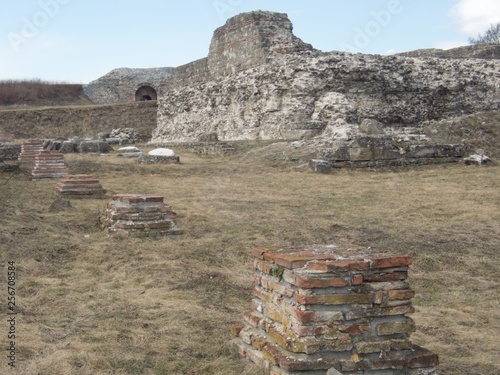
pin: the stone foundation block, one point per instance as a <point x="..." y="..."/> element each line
<point x="80" y="185"/>
<point x="49" y="164"/>
<point x="139" y="215"/>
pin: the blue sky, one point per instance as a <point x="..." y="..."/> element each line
<point x="80" y="40"/>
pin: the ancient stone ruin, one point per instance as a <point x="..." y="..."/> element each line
<point x="80" y="186"/>
<point x="329" y="310"/>
<point x="49" y="164"/>
<point x="127" y="85"/>
<point x="139" y="215"/>
<point x="260" y="81"/>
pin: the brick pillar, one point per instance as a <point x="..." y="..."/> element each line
<point x="79" y="185"/>
<point x="330" y="310"/>
<point x="49" y="164"/>
<point x="139" y="215"/>
<point x="29" y="150"/>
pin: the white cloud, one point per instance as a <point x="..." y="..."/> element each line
<point x="447" y="44"/>
<point x="475" y="16"/>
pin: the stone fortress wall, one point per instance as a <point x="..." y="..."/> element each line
<point x="120" y="85"/>
<point x="265" y="83"/>
<point x="260" y="81"/>
<point x="247" y="40"/>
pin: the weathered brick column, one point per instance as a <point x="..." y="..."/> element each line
<point x="139" y="215"/>
<point x="29" y="150"/>
<point x="49" y="164"/>
<point x="327" y="310"/>
<point x="79" y="185"/>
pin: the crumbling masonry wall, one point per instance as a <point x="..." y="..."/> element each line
<point x="261" y="82"/>
<point x="245" y="41"/>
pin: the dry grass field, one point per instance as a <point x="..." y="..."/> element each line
<point x="88" y="304"/>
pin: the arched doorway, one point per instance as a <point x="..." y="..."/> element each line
<point x="145" y="93"/>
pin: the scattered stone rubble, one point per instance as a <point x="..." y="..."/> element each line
<point x="49" y="164"/>
<point x="80" y="185"/>
<point x="320" y="166"/>
<point x="479" y="158"/>
<point x="9" y="151"/>
<point x="139" y="215"/>
<point x="129" y="152"/>
<point x="324" y="310"/>
<point x="77" y="145"/>
<point x="389" y="150"/>
<point x="126" y="135"/>
<point x="214" y="148"/>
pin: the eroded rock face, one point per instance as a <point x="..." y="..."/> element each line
<point x="300" y="96"/>
<point x="291" y="91"/>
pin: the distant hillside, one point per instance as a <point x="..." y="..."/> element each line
<point x="37" y="93"/>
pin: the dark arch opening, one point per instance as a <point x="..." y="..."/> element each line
<point x="145" y="93"/>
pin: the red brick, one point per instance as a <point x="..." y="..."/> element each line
<point x="78" y="176"/>
<point x="262" y="266"/>
<point x="317" y="282"/>
<point x="382" y="277"/>
<point x="301" y="316"/>
<point x="302" y="331"/>
<point x="422" y="358"/>
<point x="300" y="364"/>
<point x="253" y="318"/>
<point x="385" y="363"/>
<point x="153" y="198"/>
<point x="379" y="311"/>
<point x="356" y="329"/>
<point x="339" y="265"/>
<point x="258" y="252"/>
<point x="334" y="299"/>
<point x="392" y="262"/>
<point x="401" y="294"/>
<point x="357" y="280"/>
<point x="262" y="294"/>
<point x="287" y="256"/>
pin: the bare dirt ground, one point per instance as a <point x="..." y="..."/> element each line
<point x="90" y="304"/>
